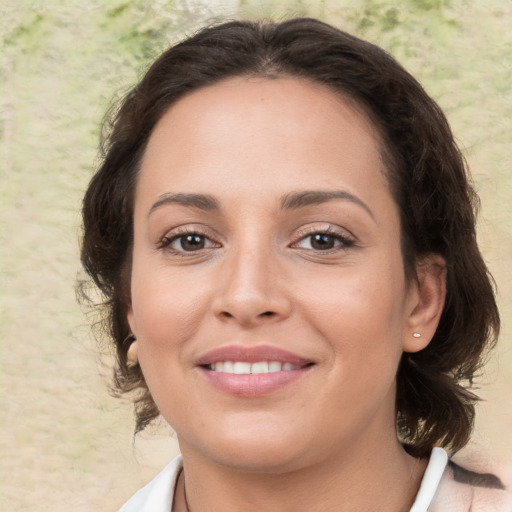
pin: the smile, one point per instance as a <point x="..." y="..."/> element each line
<point x="252" y="371"/>
<point x="245" y="368"/>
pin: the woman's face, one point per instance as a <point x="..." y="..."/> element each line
<point x="267" y="241"/>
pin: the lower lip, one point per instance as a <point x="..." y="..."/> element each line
<point x="253" y="385"/>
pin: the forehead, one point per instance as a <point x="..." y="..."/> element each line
<point x="281" y="133"/>
<point x="288" y="100"/>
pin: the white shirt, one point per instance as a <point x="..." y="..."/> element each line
<point x="438" y="491"/>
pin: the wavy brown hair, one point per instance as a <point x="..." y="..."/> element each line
<point x="425" y="168"/>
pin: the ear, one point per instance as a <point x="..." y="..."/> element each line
<point x="426" y="302"/>
<point x="132" y="353"/>
<point x="131" y="318"/>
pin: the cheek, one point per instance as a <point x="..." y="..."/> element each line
<point x="167" y="309"/>
<point x="360" y="312"/>
<point x="167" y="313"/>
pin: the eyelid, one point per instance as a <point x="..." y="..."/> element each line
<point x="173" y="234"/>
<point x="342" y="234"/>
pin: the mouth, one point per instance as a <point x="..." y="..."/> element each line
<point x="252" y="371"/>
<point x="259" y="367"/>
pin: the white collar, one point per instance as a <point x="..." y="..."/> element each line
<point x="430" y="481"/>
<point x="157" y="495"/>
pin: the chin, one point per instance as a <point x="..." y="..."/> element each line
<point x="257" y="458"/>
<point x="252" y="449"/>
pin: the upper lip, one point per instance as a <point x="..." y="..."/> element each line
<point x="251" y="354"/>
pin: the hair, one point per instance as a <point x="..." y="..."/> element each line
<point x="425" y="169"/>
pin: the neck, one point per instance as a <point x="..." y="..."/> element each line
<point x="360" y="478"/>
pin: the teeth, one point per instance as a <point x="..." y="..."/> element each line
<point x="259" y="367"/>
<point x="274" y="366"/>
<point x="243" y="368"/>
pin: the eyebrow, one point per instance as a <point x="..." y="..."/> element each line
<point x="291" y="201"/>
<point x="296" y="200"/>
<point x="200" y="201"/>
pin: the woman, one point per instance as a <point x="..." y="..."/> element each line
<point x="284" y="232"/>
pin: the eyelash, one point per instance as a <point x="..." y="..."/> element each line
<point x="167" y="240"/>
<point x="345" y="241"/>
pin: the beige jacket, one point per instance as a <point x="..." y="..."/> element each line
<point x="461" y="490"/>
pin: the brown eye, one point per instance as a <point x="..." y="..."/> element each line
<point x="187" y="242"/>
<point x="191" y="242"/>
<point x="322" y="241"/>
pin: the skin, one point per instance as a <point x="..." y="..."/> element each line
<point x="316" y="443"/>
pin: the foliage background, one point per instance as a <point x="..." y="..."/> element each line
<point x="65" y="444"/>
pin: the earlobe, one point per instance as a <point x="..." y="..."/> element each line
<point x="427" y="303"/>
<point x="132" y="351"/>
<point x="130" y="343"/>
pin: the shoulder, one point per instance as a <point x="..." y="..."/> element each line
<point x="463" y="490"/>
<point x="157" y="495"/>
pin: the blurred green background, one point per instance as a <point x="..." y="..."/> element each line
<point x="65" y="444"/>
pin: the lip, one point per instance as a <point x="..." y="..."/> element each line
<point x="251" y="354"/>
<point x="252" y="385"/>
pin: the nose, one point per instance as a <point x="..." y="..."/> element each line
<point x="251" y="290"/>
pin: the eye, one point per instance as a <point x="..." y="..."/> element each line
<point x="190" y="242"/>
<point x="323" y="241"/>
<point x="187" y="242"/>
<point x="318" y="242"/>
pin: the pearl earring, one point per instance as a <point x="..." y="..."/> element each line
<point x="416" y="335"/>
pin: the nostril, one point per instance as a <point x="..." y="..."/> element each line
<point x="268" y="313"/>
